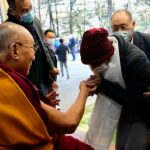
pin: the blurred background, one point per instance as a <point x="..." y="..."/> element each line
<point x="68" y="17"/>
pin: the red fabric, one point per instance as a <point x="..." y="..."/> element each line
<point x="95" y="47"/>
<point x="63" y="142"/>
<point x="69" y="143"/>
<point x="32" y="94"/>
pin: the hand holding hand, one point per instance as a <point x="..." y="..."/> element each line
<point x="94" y="81"/>
<point x="88" y="90"/>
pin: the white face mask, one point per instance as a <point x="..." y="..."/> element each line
<point x="50" y="41"/>
<point x="100" y="69"/>
<point x="127" y="35"/>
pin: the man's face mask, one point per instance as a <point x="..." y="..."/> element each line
<point x="50" y="41"/>
<point x="27" y="17"/>
<point x="100" y="69"/>
<point x="127" y="35"/>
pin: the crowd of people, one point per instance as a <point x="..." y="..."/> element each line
<point x="28" y="85"/>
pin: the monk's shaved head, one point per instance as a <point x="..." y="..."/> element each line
<point x="16" y="47"/>
<point x="10" y="32"/>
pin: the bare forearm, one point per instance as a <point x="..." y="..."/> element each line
<point x="77" y="109"/>
<point x="66" y="122"/>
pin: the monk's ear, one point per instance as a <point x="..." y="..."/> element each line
<point x="14" y="51"/>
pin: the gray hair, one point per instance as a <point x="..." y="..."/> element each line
<point x="127" y="12"/>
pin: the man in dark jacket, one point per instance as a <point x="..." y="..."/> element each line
<point x="49" y="37"/>
<point x="72" y="43"/>
<point x="123" y="24"/>
<point x="61" y="51"/>
<point x="133" y="131"/>
<point x="19" y="12"/>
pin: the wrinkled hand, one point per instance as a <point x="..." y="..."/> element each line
<point x="53" y="98"/>
<point x="55" y="71"/>
<point x="88" y="90"/>
<point x="147" y="94"/>
<point x="94" y="81"/>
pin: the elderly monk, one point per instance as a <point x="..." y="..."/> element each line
<point x="27" y="119"/>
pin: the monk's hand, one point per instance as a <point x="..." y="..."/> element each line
<point x="88" y="90"/>
<point x="53" y="98"/>
<point x="93" y="82"/>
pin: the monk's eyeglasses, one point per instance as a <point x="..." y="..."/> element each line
<point x="35" y="46"/>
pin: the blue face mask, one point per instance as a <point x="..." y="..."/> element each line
<point x="127" y="35"/>
<point x="27" y="17"/>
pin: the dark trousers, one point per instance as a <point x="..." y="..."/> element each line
<point x="73" y="53"/>
<point x="132" y="134"/>
<point x="64" y="63"/>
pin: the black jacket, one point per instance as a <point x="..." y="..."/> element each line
<point x="61" y="51"/>
<point x="135" y="68"/>
<point x="142" y="41"/>
<point x="54" y="60"/>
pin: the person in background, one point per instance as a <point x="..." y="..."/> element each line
<point x="56" y="43"/>
<point x="20" y="12"/>
<point x="61" y="51"/>
<point x="123" y="24"/>
<point x="129" y="69"/>
<point x="72" y="43"/>
<point x="34" y="123"/>
<point x="49" y="37"/>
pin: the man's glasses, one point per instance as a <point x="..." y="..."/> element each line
<point x="35" y="46"/>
